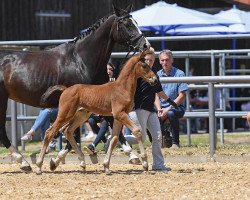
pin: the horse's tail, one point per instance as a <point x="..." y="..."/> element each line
<point x="51" y="97"/>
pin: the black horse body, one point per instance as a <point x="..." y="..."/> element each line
<point x="26" y="76"/>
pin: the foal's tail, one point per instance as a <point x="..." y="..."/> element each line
<point x="51" y="97"/>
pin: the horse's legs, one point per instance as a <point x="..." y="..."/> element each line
<point x="80" y="117"/>
<point x="114" y="138"/>
<point x="25" y="166"/>
<point x="124" y="119"/>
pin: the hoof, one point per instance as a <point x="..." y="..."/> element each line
<point x="106" y="169"/>
<point x="145" y="166"/>
<point x="63" y="160"/>
<point x="17" y="157"/>
<point x="83" y="165"/>
<point x="52" y="164"/>
<point x="26" y="168"/>
<point x="38" y="171"/>
<point x="108" y="172"/>
<point x="135" y="161"/>
<point x="93" y="158"/>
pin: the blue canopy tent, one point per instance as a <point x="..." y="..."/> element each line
<point x="161" y="18"/>
<point x="240" y="17"/>
<point x="242" y="26"/>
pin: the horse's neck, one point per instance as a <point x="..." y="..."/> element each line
<point x="97" y="45"/>
<point x="128" y="80"/>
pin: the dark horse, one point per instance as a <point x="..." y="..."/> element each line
<point x="26" y="76"/>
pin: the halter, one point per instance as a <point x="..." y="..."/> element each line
<point x="131" y="47"/>
<point x="131" y="41"/>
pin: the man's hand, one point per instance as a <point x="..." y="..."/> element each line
<point x="162" y="113"/>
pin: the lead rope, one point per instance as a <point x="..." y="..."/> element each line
<point x="126" y="57"/>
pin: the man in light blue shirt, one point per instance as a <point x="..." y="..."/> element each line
<point x="175" y="91"/>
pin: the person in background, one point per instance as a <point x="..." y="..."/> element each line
<point x="43" y="120"/>
<point x="175" y="91"/>
<point x="245" y="105"/>
<point x="89" y="135"/>
<point x="99" y="126"/>
<point x="145" y="115"/>
<point x="248" y="118"/>
<point x="201" y="102"/>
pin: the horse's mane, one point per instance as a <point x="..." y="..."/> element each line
<point x="92" y="28"/>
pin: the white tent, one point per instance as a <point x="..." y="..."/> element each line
<point x="238" y="16"/>
<point x="162" y="17"/>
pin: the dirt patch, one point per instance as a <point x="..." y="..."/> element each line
<point x="187" y="180"/>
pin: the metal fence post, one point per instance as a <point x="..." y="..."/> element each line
<point x="212" y="63"/>
<point x="188" y="105"/>
<point x="222" y="69"/>
<point x="212" y="120"/>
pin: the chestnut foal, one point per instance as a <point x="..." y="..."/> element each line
<point x="114" y="98"/>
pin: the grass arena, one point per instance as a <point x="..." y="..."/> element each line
<point x="194" y="175"/>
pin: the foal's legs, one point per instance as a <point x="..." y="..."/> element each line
<point x="65" y="115"/>
<point x="80" y="117"/>
<point x="54" y="163"/>
<point x="124" y="119"/>
<point x="114" y="138"/>
<point x="50" y="133"/>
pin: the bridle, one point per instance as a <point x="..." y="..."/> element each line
<point x="132" y="40"/>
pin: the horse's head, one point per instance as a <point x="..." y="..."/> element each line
<point x="126" y="31"/>
<point x="144" y="71"/>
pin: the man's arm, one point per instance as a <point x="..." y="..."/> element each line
<point x="180" y="98"/>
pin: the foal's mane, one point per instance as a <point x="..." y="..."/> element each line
<point x="130" y="63"/>
<point x="92" y="28"/>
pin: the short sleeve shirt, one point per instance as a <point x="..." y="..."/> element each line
<point x="145" y="95"/>
<point x="172" y="90"/>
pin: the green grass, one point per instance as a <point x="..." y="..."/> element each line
<point x="235" y="143"/>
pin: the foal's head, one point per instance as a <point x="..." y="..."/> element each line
<point x="144" y="71"/>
